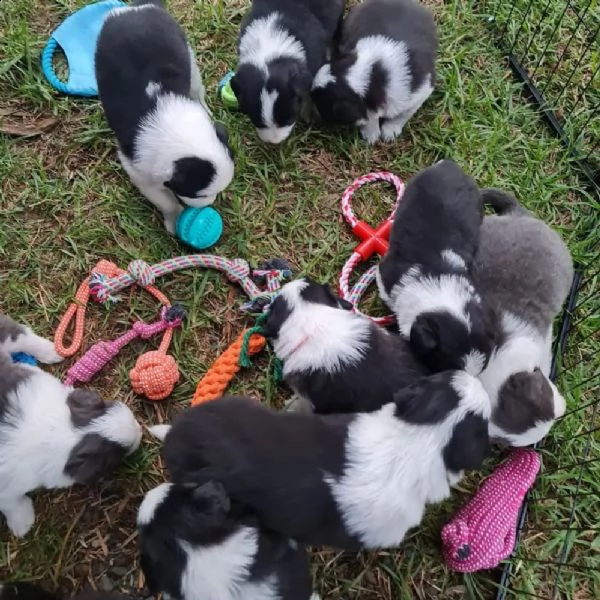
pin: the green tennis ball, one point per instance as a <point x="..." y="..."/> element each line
<point x="228" y="97"/>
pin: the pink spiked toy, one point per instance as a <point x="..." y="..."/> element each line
<point x="483" y="532"/>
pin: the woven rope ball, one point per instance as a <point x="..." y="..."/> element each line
<point x="154" y="375"/>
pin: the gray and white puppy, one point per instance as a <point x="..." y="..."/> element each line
<point x="525" y="270"/>
<point x="51" y="435"/>
<point x="383" y="70"/>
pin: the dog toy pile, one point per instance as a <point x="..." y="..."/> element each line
<point x="155" y="373"/>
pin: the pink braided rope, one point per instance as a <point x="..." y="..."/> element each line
<point x="140" y="272"/>
<point x="483" y="532"/>
<point x="354" y="294"/>
<point x="102" y="352"/>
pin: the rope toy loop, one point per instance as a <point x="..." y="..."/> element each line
<point x="373" y="241"/>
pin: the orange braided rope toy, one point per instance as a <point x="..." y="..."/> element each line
<point x="219" y="376"/>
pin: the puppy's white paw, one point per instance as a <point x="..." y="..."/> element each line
<point x="159" y="431"/>
<point x="370" y="133"/>
<point x="21" y="517"/>
<point x="389" y="131"/>
<point x="171" y="224"/>
<point x="45" y="351"/>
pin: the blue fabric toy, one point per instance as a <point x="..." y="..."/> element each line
<point x="77" y="35"/>
<point x="21" y="357"/>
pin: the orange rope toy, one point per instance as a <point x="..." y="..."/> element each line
<point x="155" y="373"/>
<point x="237" y="355"/>
<point x="219" y="376"/>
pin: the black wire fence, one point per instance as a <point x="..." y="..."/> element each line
<point x="553" y="46"/>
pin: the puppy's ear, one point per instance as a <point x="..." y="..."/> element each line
<point x="425" y="335"/>
<point x="85" y="406"/>
<point x="469" y="445"/>
<point x="162" y="560"/>
<point x="223" y="137"/>
<point x="279" y="312"/>
<point x="300" y="81"/>
<point x="213" y="496"/>
<point x="235" y="87"/>
<point x="92" y="457"/>
<point x="345" y="304"/>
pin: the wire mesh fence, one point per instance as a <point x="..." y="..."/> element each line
<point x="553" y="47"/>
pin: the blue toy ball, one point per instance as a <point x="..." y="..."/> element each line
<point x="199" y="227"/>
<point x="21" y="357"/>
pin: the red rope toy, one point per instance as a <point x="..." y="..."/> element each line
<point x="373" y="241"/>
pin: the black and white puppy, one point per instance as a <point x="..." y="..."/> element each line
<point x="51" y="435"/>
<point x="525" y="270"/>
<point x="193" y="547"/>
<point x="382" y="71"/>
<point x="336" y="360"/>
<point x="282" y="44"/>
<point x="425" y="275"/>
<point x="348" y="481"/>
<point x="153" y="98"/>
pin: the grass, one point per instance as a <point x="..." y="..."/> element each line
<point x="65" y="203"/>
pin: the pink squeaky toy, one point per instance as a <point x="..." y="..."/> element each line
<point x="483" y="532"/>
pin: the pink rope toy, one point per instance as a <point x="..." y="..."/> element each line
<point x="104" y="288"/>
<point x="373" y="241"/>
<point x="484" y="531"/>
<point x="155" y="373"/>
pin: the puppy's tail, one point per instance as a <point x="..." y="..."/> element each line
<point x="502" y="202"/>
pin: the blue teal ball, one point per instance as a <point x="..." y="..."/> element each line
<point x="201" y="228"/>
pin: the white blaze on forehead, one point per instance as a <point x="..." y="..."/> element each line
<point x="323" y="77"/>
<point x="265" y="40"/>
<point x="271" y="132"/>
<point x="153" y="499"/>
<point x="453" y="259"/>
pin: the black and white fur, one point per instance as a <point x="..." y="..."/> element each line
<point x="425" y="275"/>
<point x="334" y="359"/>
<point x="525" y="270"/>
<point x="51" y="435"/>
<point x="383" y="70"/>
<point x="282" y="44"/>
<point x="196" y="546"/>
<point x="348" y="481"/>
<point x="153" y="98"/>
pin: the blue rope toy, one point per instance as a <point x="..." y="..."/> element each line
<point x="78" y="35"/>
<point x="21" y="357"/>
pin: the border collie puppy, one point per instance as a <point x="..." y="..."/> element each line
<point x="282" y="44"/>
<point x="153" y="99"/>
<point x="334" y="359"/>
<point x="424" y="276"/>
<point x="382" y="71"/>
<point x="194" y="547"/>
<point x="51" y="435"/>
<point x="524" y="268"/>
<point x="347" y="481"/>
